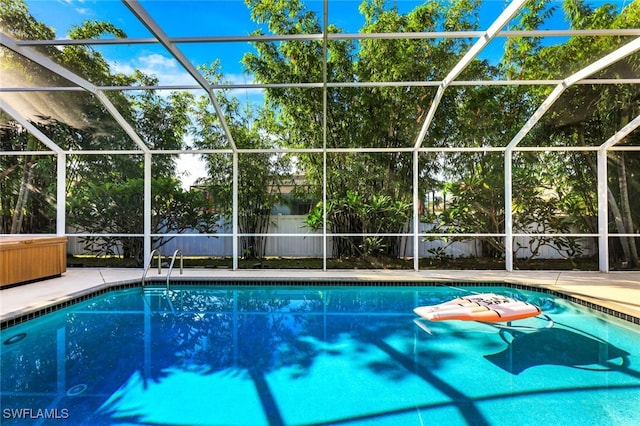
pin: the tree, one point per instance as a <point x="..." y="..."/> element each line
<point x="104" y="192"/>
<point x="585" y="117"/>
<point x="552" y="193"/>
<point x="116" y="208"/>
<point x="106" y="196"/>
<point x="70" y="119"/>
<point x="381" y="117"/>
<point x="259" y="175"/>
<point x="26" y="182"/>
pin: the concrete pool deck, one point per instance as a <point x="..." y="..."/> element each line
<point x="618" y="291"/>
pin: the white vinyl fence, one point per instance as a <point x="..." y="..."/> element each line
<point x="310" y="244"/>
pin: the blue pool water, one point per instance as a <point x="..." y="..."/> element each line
<point x="315" y="355"/>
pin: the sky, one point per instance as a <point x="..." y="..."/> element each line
<point x="191" y="18"/>
<point x="177" y="18"/>
<point x="214" y="18"/>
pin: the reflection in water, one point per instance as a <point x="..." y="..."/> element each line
<point x="283" y="355"/>
<point x="219" y="331"/>
<point x="553" y="346"/>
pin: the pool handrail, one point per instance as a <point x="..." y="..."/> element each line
<point x="173" y="259"/>
<point x="146" y="269"/>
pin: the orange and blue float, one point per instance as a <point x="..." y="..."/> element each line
<point x="485" y="307"/>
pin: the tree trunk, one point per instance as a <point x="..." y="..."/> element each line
<point x="615" y="211"/>
<point x="625" y="242"/>
<point x="23" y="196"/>
<point x="626" y="208"/>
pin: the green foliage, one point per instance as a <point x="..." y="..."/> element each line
<point x="363" y="214"/>
<point x="259" y="175"/>
<point x="475" y="205"/>
<point x="104" y="192"/>
<point x="16" y="21"/>
<point x="357" y="117"/>
<point x="438" y="253"/>
<point x="367" y="193"/>
<point x="27" y="186"/>
<point x="117" y="208"/>
<point x="589" y="115"/>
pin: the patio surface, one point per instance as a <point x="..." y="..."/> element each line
<point x="619" y="291"/>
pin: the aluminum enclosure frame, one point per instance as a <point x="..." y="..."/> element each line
<point x="25" y="48"/>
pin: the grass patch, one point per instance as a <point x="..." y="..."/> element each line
<point x="366" y="262"/>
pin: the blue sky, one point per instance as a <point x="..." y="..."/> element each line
<point x="191" y="18"/>
<point x="180" y="18"/>
<point x="213" y="18"/>
<point x="177" y="18"/>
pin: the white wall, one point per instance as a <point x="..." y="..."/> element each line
<point x="310" y="245"/>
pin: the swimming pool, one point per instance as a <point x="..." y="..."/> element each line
<point x="315" y="355"/>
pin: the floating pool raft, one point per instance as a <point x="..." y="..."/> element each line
<point x="486" y="307"/>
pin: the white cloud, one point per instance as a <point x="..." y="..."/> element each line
<point x="239" y="78"/>
<point x="158" y="61"/>
<point x="76" y="5"/>
<point x="166" y="69"/>
<point x="190" y="167"/>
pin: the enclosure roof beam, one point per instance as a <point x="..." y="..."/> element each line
<point x="76" y="79"/>
<point x="480" y="44"/>
<point x="621" y="134"/>
<point x="334" y="36"/>
<point x="137" y="9"/>
<point x="30" y="127"/>
<point x="588" y="81"/>
<point x="596" y="66"/>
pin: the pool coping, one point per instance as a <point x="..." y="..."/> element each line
<point x="549" y="282"/>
